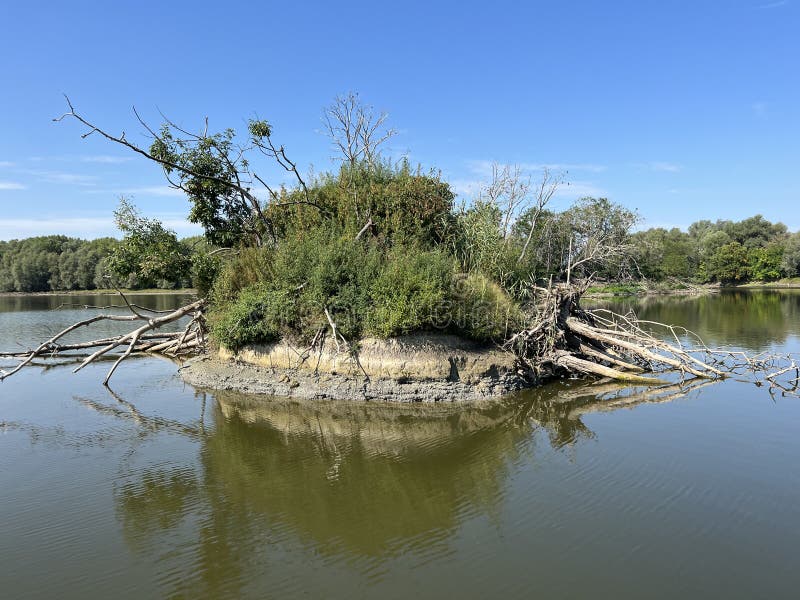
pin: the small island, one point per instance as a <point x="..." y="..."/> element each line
<point x="371" y="282"/>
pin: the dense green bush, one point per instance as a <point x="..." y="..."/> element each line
<point x="482" y="310"/>
<point x="402" y="204"/>
<point x="311" y="273"/>
<point x="242" y="268"/>
<point x="258" y="315"/>
<point x="368" y="290"/>
<point x="149" y="255"/>
<point x="410" y="292"/>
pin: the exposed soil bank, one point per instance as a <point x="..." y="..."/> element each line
<point x="781" y="284"/>
<point x="430" y="368"/>
<point x="642" y="290"/>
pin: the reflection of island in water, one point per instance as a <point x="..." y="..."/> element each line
<point x="358" y="480"/>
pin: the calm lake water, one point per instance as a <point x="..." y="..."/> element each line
<point x="159" y="490"/>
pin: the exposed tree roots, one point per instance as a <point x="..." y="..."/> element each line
<point x="564" y="339"/>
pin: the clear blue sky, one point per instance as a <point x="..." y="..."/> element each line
<point x="682" y="110"/>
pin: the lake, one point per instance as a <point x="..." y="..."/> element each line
<point x="155" y="489"/>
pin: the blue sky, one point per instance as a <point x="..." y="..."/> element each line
<point x="682" y="110"/>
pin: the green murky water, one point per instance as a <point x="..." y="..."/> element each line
<point x="158" y="490"/>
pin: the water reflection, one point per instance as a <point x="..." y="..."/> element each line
<point x="38" y="302"/>
<point x="358" y="483"/>
<point x="156" y="493"/>
<point x="754" y="320"/>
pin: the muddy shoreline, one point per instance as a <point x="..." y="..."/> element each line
<point x="414" y="369"/>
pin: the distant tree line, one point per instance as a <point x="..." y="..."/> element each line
<point x="723" y="251"/>
<point x="149" y="256"/>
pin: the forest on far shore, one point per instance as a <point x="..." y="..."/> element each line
<point x="724" y="251"/>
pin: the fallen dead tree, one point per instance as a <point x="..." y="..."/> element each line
<point x="565" y="339"/>
<point x="146" y="337"/>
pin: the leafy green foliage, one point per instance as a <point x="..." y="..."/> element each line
<point x="791" y="256"/>
<point x="241" y="269"/>
<point x="765" y="262"/>
<point x="366" y="287"/>
<point x="729" y="264"/>
<point x="402" y="204"/>
<point x="482" y="310"/>
<point x="203" y="169"/>
<point x="722" y="251"/>
<point x="47" y="263"/>
<point x="410" y="292"/>
<point x="255" y="317"/>
<point x="148" y="254"/>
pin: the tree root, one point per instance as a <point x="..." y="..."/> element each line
<point x="563" y="339"/>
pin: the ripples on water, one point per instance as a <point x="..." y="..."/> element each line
<point x="158" y="490"/>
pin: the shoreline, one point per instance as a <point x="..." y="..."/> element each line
<point x="641" y="291"/>
<point x="104" y="292"/>
<point x="226" y="375"/>
<point x="429" y="368"/>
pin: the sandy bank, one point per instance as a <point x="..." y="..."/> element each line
<point x="430" y="368"/>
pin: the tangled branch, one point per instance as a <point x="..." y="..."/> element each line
<point x="146" y="338"/>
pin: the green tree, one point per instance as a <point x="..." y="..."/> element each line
<point x="766" y="262"/>
<point x="791" y="255"/>
<point x="729" y="264"/>
<point x="149" y="255"/>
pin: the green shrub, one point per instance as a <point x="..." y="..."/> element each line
<point x="242" y="269"/>
<point x="482" y="310"/>
<point x="409" y="292"/>
<point x="205" y="270"/>
<point x="367" y="286"/>
<point x="258" y="316"/>
<point x="403" y="204"/>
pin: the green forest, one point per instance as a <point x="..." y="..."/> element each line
<point x="61" y="263"/>
<point x="728" y="252"/>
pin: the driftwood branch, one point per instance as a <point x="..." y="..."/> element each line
<point x="562" y="339"/>
<point x="144" y="339"/>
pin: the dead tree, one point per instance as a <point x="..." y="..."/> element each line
<point x="563" y="339"/>
<point x="547" y="187"/>
<point x="145" y="338"/>
<point x="355" y="130"/>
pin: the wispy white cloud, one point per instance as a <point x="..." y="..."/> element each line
<point x="564" y="167"/>
<point x="12" y="185"/>
<point x="105" y="159"/>
<point x="4" y="164"/>
<point x="79" y="179"/>
<point x="483" y="168"/>
<point x="569" y="190"/>
<point x="466" y="188"/>
<point x="574" y="190"/>
<point x="152" y="190"/>
<point x="661" y="166"/>
<point x="84" y="227"/>
<point x="773" y="4"/>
